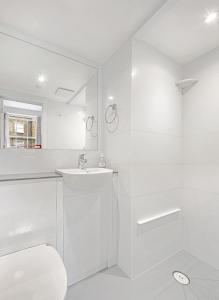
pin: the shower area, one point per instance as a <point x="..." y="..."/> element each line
<point x="165" y="85"/>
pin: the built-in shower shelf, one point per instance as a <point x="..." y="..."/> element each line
<point x="158" y="220"/>
<point x="186" y="84"/>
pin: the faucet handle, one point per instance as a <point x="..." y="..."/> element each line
<point x="82" y="160"/>
<point x="82" y="155"/>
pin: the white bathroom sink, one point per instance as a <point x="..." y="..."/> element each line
<point x="85" y="179"/>
<point x="87" y="171"/>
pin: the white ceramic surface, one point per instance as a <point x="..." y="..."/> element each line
<point x="87" y="171"/>
<point x="33" y="274"/>
<point x="85" y="179"/>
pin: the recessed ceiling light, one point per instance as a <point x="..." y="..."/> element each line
<point x="41" y="78"/>
<point x="81" y="114"/>
<point x="211" y="17"/>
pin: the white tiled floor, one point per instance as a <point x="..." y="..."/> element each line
<point x="157" y="284"/>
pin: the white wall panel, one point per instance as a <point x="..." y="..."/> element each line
<point x="27" y="214"/>
<point x="201" y="159"/>
<point x="147" y="151"/>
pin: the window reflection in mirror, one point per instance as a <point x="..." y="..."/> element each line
<point x="45" y="125"/>
<point x="21" y="125"/>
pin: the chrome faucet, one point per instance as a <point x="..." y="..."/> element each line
<point x="82" y="161"/>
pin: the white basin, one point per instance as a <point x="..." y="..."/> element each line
<point x="85" y="179"/>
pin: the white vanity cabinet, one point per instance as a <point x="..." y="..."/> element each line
<point x="87" y="222"/>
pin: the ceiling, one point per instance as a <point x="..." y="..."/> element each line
<point x="179" y="31"/>
<point x="21" y="64"/>
<point x="93" y="29"/>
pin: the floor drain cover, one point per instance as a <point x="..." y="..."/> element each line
<point x="181" y="278"/>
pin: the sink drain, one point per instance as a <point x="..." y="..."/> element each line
<point x="181" y="278"/>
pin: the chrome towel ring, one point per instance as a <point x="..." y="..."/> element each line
<point x="90" y="123"/>
<point x="111" y="118"/>
<point x="111" y="113"/>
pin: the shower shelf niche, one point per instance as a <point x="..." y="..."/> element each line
<point x="158" y="220"/>
<point x="186" y="84"/>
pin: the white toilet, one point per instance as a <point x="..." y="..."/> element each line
<point x="37" y="273"/>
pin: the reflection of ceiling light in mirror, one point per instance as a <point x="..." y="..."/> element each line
<point x="111" y="98"/>
<point x="134" y="72"/>
<point x="41" y="78"/>
<point x="81" y="114"/>
<point x="211" y="17"/>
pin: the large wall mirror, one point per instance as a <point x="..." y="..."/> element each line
<point x="47" y="100"/>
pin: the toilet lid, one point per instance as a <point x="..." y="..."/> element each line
<point x="36" y="273"/>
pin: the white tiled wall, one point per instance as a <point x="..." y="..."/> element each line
<point x="117" y="85"/>
<point x="30" y="161"/>
<point x="146" y="149"/>
<point x="156" y="101"/>
<point x="156" y="141"/>
<point x="201" y="158"/>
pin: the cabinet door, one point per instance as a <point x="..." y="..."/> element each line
<point x="86" y="233"/>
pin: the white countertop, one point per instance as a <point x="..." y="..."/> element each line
<point x="26" y="176"/>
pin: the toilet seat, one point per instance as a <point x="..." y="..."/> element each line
<point x="36" y="273"/>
